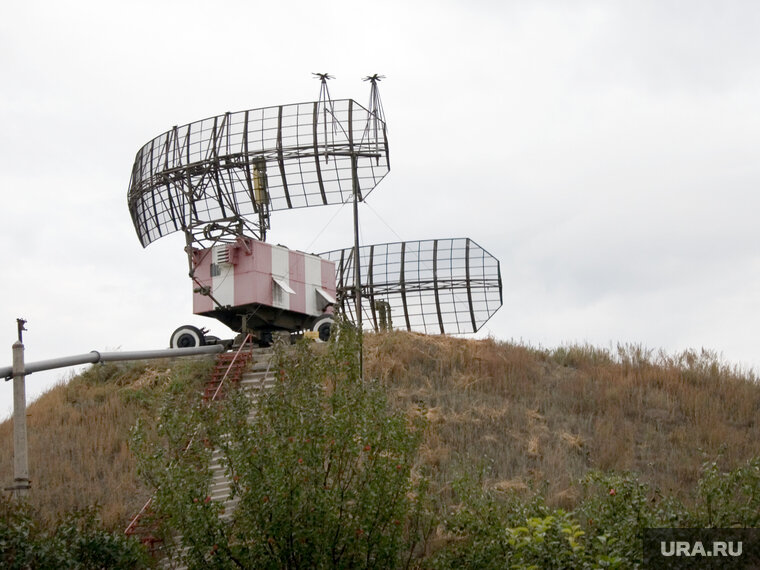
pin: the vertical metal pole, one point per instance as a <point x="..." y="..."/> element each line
<point x="20" y="461"/>
<point x="189" y="252"/>
<point x="357" y="267"/>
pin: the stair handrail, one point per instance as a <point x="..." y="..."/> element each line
<point x="234" y="358"/>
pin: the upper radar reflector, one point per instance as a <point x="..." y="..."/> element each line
<point x="230" y="171"/>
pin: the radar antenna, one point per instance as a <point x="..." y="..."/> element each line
<point x="219" y="179"/>
<point x="446" y="286"/>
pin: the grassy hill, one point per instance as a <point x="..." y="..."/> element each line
<point x="527" y="415"/>
<point x="536" y="415"/>
<point x="79" y="436"/>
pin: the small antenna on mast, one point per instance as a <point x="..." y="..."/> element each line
<point x="375" y="108"/>
<point x="325" y="101"/>
<point x="324" y="92"/>
<point x="20" y="326"/>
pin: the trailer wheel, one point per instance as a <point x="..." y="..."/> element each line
<point x="323" y="327"/>
<point x="187" y="336"/>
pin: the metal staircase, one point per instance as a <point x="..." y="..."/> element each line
<point x="227" y="372"/>
<point x="250" y="368"/>
<point x="254" y="381"/>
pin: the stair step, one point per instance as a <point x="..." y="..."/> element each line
<point x="218" y="490"/>
<point x="250" y="368"/>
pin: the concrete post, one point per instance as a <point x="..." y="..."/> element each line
<point x="21" y="483"/>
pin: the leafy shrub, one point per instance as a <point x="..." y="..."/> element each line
<point x="491" y="529"/>
<point x="730" y="499"/>
<point x="322" y="472"/>
<point x="77" y="541"/>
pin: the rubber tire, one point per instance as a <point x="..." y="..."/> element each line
<point x="187" y="336"/>
<point x="323" y="326"/>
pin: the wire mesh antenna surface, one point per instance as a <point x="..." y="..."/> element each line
<point x="219" y="177"/>
<point x="434" y="286"/>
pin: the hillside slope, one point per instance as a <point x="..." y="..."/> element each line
<point x="79" y="436"/>
<point x="528" y="415"/>
<point x="533" y="415"/>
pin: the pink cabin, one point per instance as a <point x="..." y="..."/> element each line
<point x="251" y="285"/>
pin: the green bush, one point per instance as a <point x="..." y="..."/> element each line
<point x="729" y="499"/>
<point x="77" y="541"/>
<point x="323" y="472"/>
<point x="489" y="529"/>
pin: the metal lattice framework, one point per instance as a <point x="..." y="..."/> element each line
<point x="223" y="175"/>
<point x="434" y="286"/>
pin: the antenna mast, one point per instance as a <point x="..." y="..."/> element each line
<point x="376" y="114"/>
<point x="375" y="117"/>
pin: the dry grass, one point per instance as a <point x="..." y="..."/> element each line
<point x="533" y="415"/>
<point x="78" y="435"/>
<point x="529" y="415"/>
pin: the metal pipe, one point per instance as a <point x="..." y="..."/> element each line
<point x="95" y="357"/>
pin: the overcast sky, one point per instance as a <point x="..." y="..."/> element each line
<point x="605" y="152"/>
